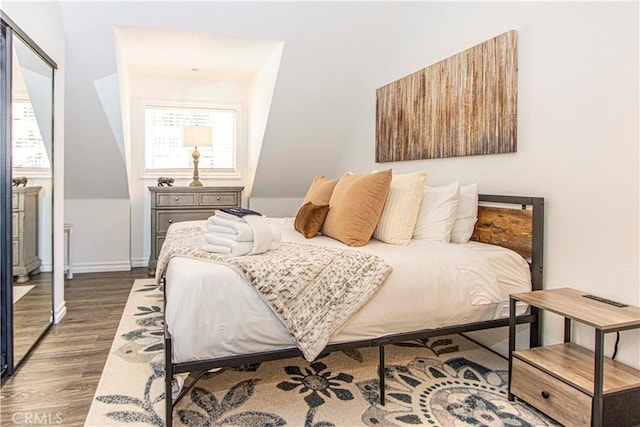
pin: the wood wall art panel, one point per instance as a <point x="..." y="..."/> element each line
<point x="464" y="105"/>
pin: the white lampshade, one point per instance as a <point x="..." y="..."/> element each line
<point x="197" y="136"/>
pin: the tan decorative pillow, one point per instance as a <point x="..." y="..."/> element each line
<point x="310" y="218"/>
<point x="400" y="212"/>
<point x="355" y="207"/>
<point x="319" y="193"/>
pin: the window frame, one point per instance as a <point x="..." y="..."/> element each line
<point x="207" y="173"/>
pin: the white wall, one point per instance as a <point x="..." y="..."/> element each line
<point x="46" y="29"/>
<point x="276" y="207"/>
<point x="100" y="234"/>
<point x="260" y="94"/>
<point x="577" y="134"/>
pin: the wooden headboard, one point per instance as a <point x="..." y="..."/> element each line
<point x="516" y="223"/>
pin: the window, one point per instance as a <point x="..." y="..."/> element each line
<point x="163" y="138"/>
<point x="28" y="146"/>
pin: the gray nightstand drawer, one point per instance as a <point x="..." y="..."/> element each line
<point x="17" y="224"/>
<point x="15" y="202"/>
<point x="16" y="253"/>
<point x="218" y="199"/>
<point x="165" y="218"/>
<point x="176" y="199"/>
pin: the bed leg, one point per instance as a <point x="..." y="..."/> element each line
<point x="168" y="380"/>
<point x="381" y="374"/>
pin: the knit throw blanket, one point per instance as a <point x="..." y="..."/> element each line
<point x="313" y="290"/>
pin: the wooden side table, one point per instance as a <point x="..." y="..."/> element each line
<point x="571" y="384"/>
<point x="177" y="204"/>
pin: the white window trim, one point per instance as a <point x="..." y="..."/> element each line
<point x="31" y="172"/>
<point x="241" y="143"/>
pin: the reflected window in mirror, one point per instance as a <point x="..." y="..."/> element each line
<point x="28" y="146"/>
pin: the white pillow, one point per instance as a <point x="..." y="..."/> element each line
<point x="400" y="211"/>
<point x="437" y="213"/>
<point x="467" y="214"/>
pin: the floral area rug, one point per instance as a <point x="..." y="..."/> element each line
<point x="444" y="381"/>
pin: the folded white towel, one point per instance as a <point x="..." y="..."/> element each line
<point x="265" y="237"/>
<point x="236" y="230"/>
<point x="277" y="237"/>
<point x="215" y="249"/>
<point x="231" y="217"/>
<point x="213" y="243"/>
<point x="262" y="234"/>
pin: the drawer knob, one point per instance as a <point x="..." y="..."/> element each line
<point x="176" y="199"/>
<point x="170" y="221"/>
<point x="545" y="395"/>
<point x="218" y="198"/>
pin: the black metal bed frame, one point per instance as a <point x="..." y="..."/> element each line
<point x="532" y="317"/>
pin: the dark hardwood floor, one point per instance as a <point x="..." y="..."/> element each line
<point x="31" y="313"/>
<point x="56" y="382"/>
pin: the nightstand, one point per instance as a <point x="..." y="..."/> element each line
<point x="177" y="204"/>
<point x="569" y="383"/>
<point x="25" y="212"/>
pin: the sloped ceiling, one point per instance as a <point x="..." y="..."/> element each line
<point x="164" y="53"/>
<point x="320" y="84"/>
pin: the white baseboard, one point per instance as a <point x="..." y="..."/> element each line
<point x="497" y="339"/>
<point x="139" y="262"/>
<point x="100" y="267"/>
<point x="59" y="313"/>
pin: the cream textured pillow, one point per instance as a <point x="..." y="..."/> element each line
<point x="355" y="207"/>
<point x="437" y="213"/>
<point x="400" y="212"/>
<point x="319" y="193"/>
<point x="467" y="214"/>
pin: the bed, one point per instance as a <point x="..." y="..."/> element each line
<point x="462" y="287"/>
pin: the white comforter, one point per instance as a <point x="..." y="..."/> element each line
<point x="212" y="312"/>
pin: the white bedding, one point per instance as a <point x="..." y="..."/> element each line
<point x="212" y="312"/>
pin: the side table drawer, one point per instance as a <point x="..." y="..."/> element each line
<point x="176" y="199"/>
<point x="165" y="218"/>
<point x="222" y="199"/>
<point x="555" y="398"/>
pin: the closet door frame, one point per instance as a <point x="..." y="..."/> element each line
<point x="10" y="30"/>
<point x="6" y="248"/>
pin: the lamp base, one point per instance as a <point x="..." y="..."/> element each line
<point x="196" y="175"/>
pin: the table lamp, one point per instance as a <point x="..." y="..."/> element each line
<point x="196" y="136"/>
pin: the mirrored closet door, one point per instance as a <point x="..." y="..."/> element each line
<point x="27" y="200"/>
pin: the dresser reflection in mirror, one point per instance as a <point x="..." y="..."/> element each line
<point x="25" y="232"/>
